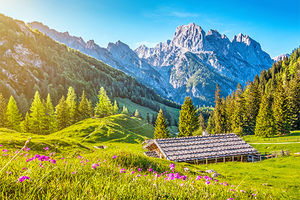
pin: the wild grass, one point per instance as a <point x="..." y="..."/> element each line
<point x="74" y="178"/>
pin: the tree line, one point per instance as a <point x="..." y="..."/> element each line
<point x="44" y="118"/>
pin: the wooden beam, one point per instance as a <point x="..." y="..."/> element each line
<point x="241" y="158"/>
<point x="216" y="159"/>
<point x="224" y="159"/>
<point x="232" y="158"/>
<point x="206" y="161"/>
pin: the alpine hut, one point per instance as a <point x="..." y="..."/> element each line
<point x="202" y="149"/>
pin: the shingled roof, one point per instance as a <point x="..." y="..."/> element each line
<point x="201" y="147"/>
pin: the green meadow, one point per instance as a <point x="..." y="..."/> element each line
<point x="75" y="149"/>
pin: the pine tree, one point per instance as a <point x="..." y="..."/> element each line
<point x="72" y="104"/>
<point x="281" y="111"/>
<point x="148" y="118"/>
<point x="239" y="112"/>
<point x="83" y="108"/>
<point x="219" y="113"/>
<point x="294" y="94"/>
<point x="115" y="108"/>
<point x="229" y="107"/>
<point x="161" y="130"/>
<point x="125" y="110"/>
<point x="211" y="124"/>
<point x="104" y="107"/>
<point x="252" y="101"/>
<point x="2" y="111"/>
<point x="265" y="125"/>
<point x="13" y="116"/>
<point x="38" y="118"/>
<point x="188" y="121"/>
<point x="201" y="122"/>
<point x="25" y="124"/>
<point x="62" y="113"/>
<point x="136" y="113"/>
<point x="90" y="108"/>
<point x="51" y="118"/>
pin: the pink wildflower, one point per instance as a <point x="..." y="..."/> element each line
<point x="23" y="178"/>
<point x="114" y="157"/>
<point x="46" y="148"/>
<point x="207" y="182"/>
<point x="5" y="150"/>
<point x="53" y="161"/>
<point x="139" y="169"/>
<point x="122" y="170"/>
<point x="230" y="199"/>
<point x="198" y="178"/>
<point x="132" y="172"/>
<point x="94" y="166"/>
<point x="73" y="172"/>
<point x="150" y="169"/>
<point x="181" y="184"/>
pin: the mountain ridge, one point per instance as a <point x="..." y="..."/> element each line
<point x="165" y="67"/>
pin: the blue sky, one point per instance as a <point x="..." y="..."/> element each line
<point x="274" y="24"/>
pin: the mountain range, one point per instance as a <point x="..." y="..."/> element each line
<point x="191" y="64"/>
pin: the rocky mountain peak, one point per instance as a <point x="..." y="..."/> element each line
<point x="189" y="36"/>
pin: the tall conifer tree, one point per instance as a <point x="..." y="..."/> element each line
<point x="104" y="107"/>
<point x="239" y="112"/>
<point x="83" y="108"/>
<point x="62" y="113"/>
<point x="13" y="116"/>
<point x="219" y="113"/>
<point x="115" y="108"/>
<point x="72" y="104"/>
<point x="161" y="129"/>
<point x="51" y="118"/>
<point x="281" y="111"/>
<point x="38" y="118"/>
<point x="188" y="121"/>
<point x="265" y="125"/>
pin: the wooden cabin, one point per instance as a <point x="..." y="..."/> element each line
<point x="202" y="149"/>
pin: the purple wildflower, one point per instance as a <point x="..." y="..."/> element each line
<point x="139" y="169"/>
<point x="198" y="177"/>
<point x="53" y="161"/>
<point x="23" y="178"/>
<point x="172" y="166"/>
<point x="94" y="165"/>
<point x="114" y="157"/>
<point x="122" y="170"/>
<point x="132" y="172"/>
<point x="5" y="150"/>
<point x="207" y="182"/>
<point x="150" y="169"/>
<point x="46" y="148"/>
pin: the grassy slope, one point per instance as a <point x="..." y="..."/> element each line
<point x="120" y="130"/>
<point x="144" y="110"/>
<point x="122" y="135"/>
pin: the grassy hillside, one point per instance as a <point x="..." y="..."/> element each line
<point x="87" y="133"/>
<point x="122" y="135"/>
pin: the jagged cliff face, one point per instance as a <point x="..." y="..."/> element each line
<point x="194" y="57"/>
<point x="192" y="63"/>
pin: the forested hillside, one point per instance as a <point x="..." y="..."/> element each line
<point x="32" y="61"/>
<point x="267" y="106"/>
